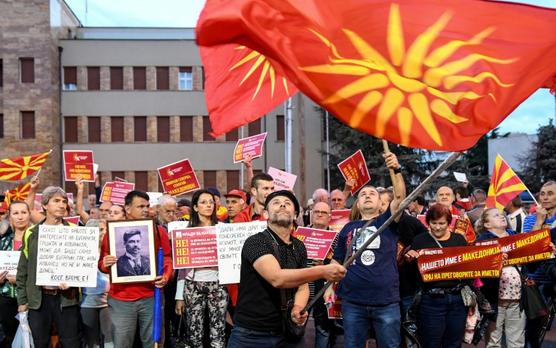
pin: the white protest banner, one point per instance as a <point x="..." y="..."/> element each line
<point x="153" y="198"/>
<point x="229" y="241"/>
<point x="67" y="254"/>
<point x="8" y="261"/>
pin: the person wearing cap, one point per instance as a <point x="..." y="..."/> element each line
<point x="258" y="319"/>
<point x="236" y="202"/>
<point x="370" y="291"/>
<point x="47" y="304"/>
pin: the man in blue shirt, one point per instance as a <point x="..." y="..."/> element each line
<point x="370" y="290"/>
<point x="546" y="212"/>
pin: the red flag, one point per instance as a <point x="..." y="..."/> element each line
<point x="14" y="169"/>
<point x="504" y="185"/>
<point x="19" y="193"/>
<point x="241" y="86"/>
<point x="434" y="74"/>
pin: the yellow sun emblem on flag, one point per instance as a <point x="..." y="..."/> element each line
<point x="426" y="80"/>
<point x="267" y="70"/>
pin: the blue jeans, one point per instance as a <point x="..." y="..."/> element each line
<point x="441" y="321"/>
<point x="126" y="315"/>
<point x="384" y="319"/>
<point x="246" y="338"/>
<point x="322" y="337"/>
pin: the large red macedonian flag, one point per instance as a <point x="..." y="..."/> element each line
<point x="434" y="74"/>
<point x="18" y="168"/>
<point x="504" y="185"/>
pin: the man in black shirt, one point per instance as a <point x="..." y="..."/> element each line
<point x="258" y="321"/>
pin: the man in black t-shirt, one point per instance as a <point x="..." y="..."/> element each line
<point x="258" y="320"/>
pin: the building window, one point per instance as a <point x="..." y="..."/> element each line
<point x="185" y="78"/>
<point x="163" y="129"/>
<point x="140" y="128"/>
<point x="142" y="181"/>
<point x="255" y="127"/>
<point x="117" y="128"/>
<point x="116" y="77"/>
<point x="70" y="78"/>
<point x="93" y="78"/>
<point x="116" y="174"/>
<point x="186" y="128"/>
<point x="280" y="128"/>
<point x="70" y="129"/>
<point x="27" y="125"/>
<point x="1" y="73"/>
<point x="1" y="125"/>
<point x="232" y="135"/>
<point x="27" y="70"/>
<point x="209" y="178"/>
<point x="139" y="77"/>
<point x="93" y="124"/>
<point x="162" y="78"/>
<point x="232" y="180"/>
<point x="207" y="129"/>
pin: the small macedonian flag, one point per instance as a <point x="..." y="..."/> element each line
<point x="15" y="169"/>
<point x="19" y="193"/>
<point x="504" y="185"/>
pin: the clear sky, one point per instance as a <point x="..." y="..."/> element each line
<point x="532" y="113"/>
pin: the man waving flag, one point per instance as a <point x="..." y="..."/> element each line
<point x="433" y="74"/>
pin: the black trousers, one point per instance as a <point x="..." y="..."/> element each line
<point x="8" y="311"/>
<point x="66" y="320"/>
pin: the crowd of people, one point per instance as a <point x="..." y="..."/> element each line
<point x="380" y="290"/>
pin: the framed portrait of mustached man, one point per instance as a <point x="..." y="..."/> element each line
<point x="132" y="242"/>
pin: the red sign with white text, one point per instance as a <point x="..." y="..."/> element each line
<point x="465" y="262"/>
<point x="252" y="146"/>
<point x="194" y="247"/>
<point x="317" y="242"/>
<point x="338" y="219"/>
<point x="355" y="167"/>
<point x="115" y="191"/>
<point x="79" y="164"/>
<point x="524" y="248"/>
<point x="178" y="177"/>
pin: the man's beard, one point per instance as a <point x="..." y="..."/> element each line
<point x="281" y="220"/>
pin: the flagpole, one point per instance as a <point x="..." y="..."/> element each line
<point x="403" y="205"/>
<point x="288" y="135"/>
<point x="327" y="126"/>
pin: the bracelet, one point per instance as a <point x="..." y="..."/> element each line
<point x="398" y="170"/>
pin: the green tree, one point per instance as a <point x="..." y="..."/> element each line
<point x="539" y="165"/>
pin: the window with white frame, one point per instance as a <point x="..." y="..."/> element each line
<point x="185" y="78"/>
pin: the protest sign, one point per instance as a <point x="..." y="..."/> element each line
<point x="178" y="177"/>
<point x="355" y="167"/>
<point x="153" y="198"/>
<point x="524" y="248"/>
<point x="338" y="219"/>
<point x="95" y="169"/>
<point x="229" y="240"/>
<point x="67" y="254"/>
<point x="334" y="309"/>
<point x="250" y="146"/>
<point x="466" y="262"/>
<point x="79" y="164"/>
<point x="282" y="180"/>
<point x="115" y="191"/>
<point x="193" y="247"/>
<point x="317" y="242"/>
<point x="9" y="261"/>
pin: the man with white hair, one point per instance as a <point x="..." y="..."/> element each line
<point x="167" y="210"/>
<point x="320" y="195"/>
